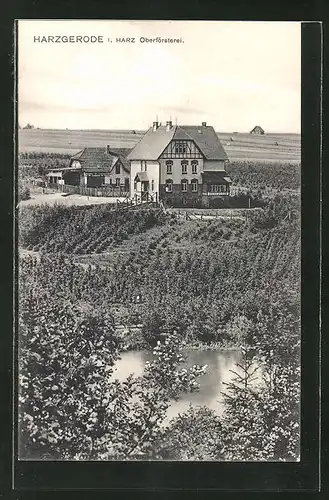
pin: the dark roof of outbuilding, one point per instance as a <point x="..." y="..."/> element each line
<point x="99" y="160"/>
<point x="153" y="143"/>
<point x="216" y="177"/>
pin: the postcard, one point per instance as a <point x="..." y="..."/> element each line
<point x="159" y="240"/>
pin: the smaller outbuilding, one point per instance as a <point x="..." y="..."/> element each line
<point x="95" y="167"/>
<point x="257" y="130"/>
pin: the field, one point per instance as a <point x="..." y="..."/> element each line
<point x="242" y="147"/>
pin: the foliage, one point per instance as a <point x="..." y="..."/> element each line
<point x="66" y="356"/>
<point x="193" y="435"/>
<point x="233" y="282"/>
<point x="23" y="192"/>
<point x="34" y="164"/>
<point x="255" y="175"/>
<point x="207" y="274"/>
<point x="261" y="420"/>
<point x="71" y="407"/>
<point x="81" y="229"/>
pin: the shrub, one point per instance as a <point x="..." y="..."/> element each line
<point x="24" y="193"/>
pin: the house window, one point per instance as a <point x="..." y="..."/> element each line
<point x="184" y="167"/>
<point x="110" y="180"/>
<point x="184" y="185"/>
<point x="152" y="185"/>
<point x="143" y="166"/>
<point x="194" y="185"/>
<point x="117" y="181"/>
<point x="217" y="188"/>
<point x="194" y="167"/>
<point x="117" y="169"/>
<point x="169" y="164"/>
<point x="168" y="187"/>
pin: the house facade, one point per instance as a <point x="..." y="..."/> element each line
<point x="95" y="167"/>
<point x="180" y="165"/>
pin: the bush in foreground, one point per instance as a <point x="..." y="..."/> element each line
<point x="70" y="405"/>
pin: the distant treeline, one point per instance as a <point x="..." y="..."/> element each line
<point x="36" y="163"/>
<point x="260" y="175"/>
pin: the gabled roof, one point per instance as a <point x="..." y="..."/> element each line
<point x="122" y="153"/>
<point x="100" y="160"/>
<point x="257" y="128"/>
<point x="207" y="141"/>
<point x="141" y="177"/>
<point x="153" y="143"/>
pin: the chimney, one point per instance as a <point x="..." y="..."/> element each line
<point x="108" y="149"/>
<point x="204" y="124"/>
<point x="168" y="125"/>
<point x="155" y="126"/>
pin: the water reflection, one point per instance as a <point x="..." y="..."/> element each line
<point x="219" y="363"/>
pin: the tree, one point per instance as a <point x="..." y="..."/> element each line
<point x="70" y="406"/>
<point x="261" y="416"/>
<point x="66" y="357"/>
<point x="28" y="126"/>
<point x="193" y="435"/>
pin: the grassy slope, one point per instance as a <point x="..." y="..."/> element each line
<point x="243" y="146"/>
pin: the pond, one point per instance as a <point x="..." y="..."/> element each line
<point x="219" y="362"/>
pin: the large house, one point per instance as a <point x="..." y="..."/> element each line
<point x="181" y="165"/>
<point x="95" y="167"/>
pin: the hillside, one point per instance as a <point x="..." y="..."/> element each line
<point x="243" y="146"/>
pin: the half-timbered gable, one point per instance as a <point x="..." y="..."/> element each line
<point x="181" y="149"/>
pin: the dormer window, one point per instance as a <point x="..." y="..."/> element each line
<point x="117" y="168"/>
<point x="180" y="147"/>
<point x="184" y="164"/>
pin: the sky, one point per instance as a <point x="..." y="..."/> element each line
<point x="233" y="75"/>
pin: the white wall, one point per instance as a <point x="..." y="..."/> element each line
<point x="113" y="175"/>
<point x="152" y="170"/>
<point x="135" y="166"/>
<point x="153" y="173"/>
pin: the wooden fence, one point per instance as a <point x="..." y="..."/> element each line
<point x="144" y="199"/>
<point x="108" y="191"/>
